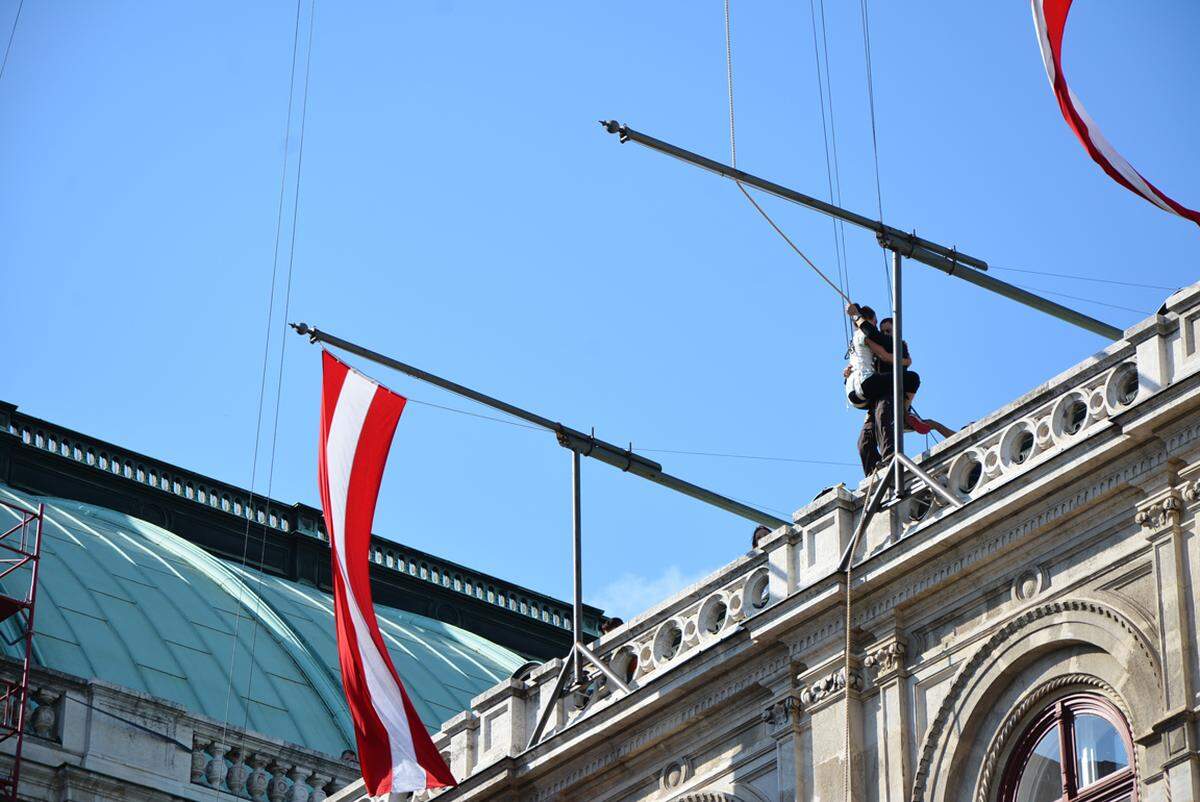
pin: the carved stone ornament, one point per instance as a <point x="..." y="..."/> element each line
<point x="1159" y="514"/>
<point x="44" y="721"/>
<point x="886" y="660"/>
<point x="675" y="773"/>
<point x="199" y="759"/>
<point x="239" y="772"/>
<point x="1027" y="584"/>
<point x="783" y="712"/>
<point x="828" y="685"/>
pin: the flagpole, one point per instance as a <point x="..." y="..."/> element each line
<point x="950" y="261"/>
<point x="587" y="445"/>
<point x="577" y="554"/>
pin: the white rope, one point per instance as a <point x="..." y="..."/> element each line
<point x="866" y="28"/>
<point x="733" y="161"/>
<point x="832" y="169"/>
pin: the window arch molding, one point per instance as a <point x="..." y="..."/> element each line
<point x="1003" y="740"/>
<point x="1078" y="746"/>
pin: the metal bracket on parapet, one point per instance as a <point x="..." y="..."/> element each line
<point x="569" y="663"/>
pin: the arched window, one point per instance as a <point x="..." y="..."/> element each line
<point x="1077" y="750"/>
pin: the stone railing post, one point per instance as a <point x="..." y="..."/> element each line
<point x="501" y="729"/>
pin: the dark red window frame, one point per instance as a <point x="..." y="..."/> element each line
<point x="1061" y="715"/>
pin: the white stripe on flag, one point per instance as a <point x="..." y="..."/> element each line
<point x="353" y="405"/>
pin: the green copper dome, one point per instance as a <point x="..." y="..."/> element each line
<point x="131" y="603"/>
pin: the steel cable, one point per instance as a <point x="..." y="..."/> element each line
<point x="733" y="161"/>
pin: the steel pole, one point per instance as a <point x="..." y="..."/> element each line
<point x="948" y="260"/>
<point x="626" y="133"/>
<point x="897" y="377"/>
<point x="587" y="445"/>
<point x="577" y="553"/>
<point x="1010" y="291"/>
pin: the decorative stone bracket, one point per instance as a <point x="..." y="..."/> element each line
<point x="825" y="687"/>
<point x="887" y="660"/>
<point x="783" y="714"/>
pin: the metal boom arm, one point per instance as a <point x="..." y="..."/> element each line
<point x="573" y="439"/>
<point x="948" y="260"/>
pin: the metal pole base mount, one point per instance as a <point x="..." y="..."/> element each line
<point x="579" y="652"/>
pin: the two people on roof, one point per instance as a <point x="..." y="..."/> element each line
<point x="868" y="379"/>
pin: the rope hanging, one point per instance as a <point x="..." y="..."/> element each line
<point x="833" y="173"/>
<point x="847" y="776"/>
<point x="866" y="29"/>
<point x="733" y="161"/>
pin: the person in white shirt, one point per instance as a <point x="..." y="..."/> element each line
<point x="869" y="385"/>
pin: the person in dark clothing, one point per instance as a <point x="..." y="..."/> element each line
<point x="869" y="385"/>
<point x="876" y="440"/>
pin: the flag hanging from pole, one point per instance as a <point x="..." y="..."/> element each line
<point x="358" y="419"/>
<point x="1050" y="19"/>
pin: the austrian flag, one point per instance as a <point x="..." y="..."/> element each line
<point x="358" y="419"/>
<point x="1050" y="20"/>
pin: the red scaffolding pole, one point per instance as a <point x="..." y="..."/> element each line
<point x="20" y="546"/>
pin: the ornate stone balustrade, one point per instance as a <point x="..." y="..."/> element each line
<point x="1026" y="434"/>
<point x="253" y="768"/>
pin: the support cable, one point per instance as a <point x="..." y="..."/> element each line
<point x="1085" y="300"/>
<point x="11" y="35"/>
<point x="1085" y="278"/>
<point x="824" y="82"/>
<point x="837" y="168"/>
<point x="733" y="159"/>
<point x="287" y="300"/>
<point x="866" y="28"/>
<point x="262" y="388"/>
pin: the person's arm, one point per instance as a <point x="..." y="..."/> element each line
<point x="879" y="351"/>
<point x="944" y="431"/>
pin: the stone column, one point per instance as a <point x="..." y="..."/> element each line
<point x="885" y="665"/>
<point x="782" y="717"/>
<point x="827" y="698"/>
<point x="1177" y="752"/>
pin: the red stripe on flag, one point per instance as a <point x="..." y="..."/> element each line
<point x="358" y="419"/>
<point x="1050" y="20"/>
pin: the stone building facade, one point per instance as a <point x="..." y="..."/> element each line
<point x="1037" y="643"/>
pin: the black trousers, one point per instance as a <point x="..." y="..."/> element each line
<point x="876" y="440"/>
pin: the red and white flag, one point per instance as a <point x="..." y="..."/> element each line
<point x="358" y="419"/>
<point x="1050" y="19"/>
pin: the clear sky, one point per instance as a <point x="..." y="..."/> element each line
<point x="461" y="209"/>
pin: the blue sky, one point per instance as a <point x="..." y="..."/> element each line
<point x="460" y="209"/>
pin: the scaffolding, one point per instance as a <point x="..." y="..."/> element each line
<point x="20" y="548"/>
